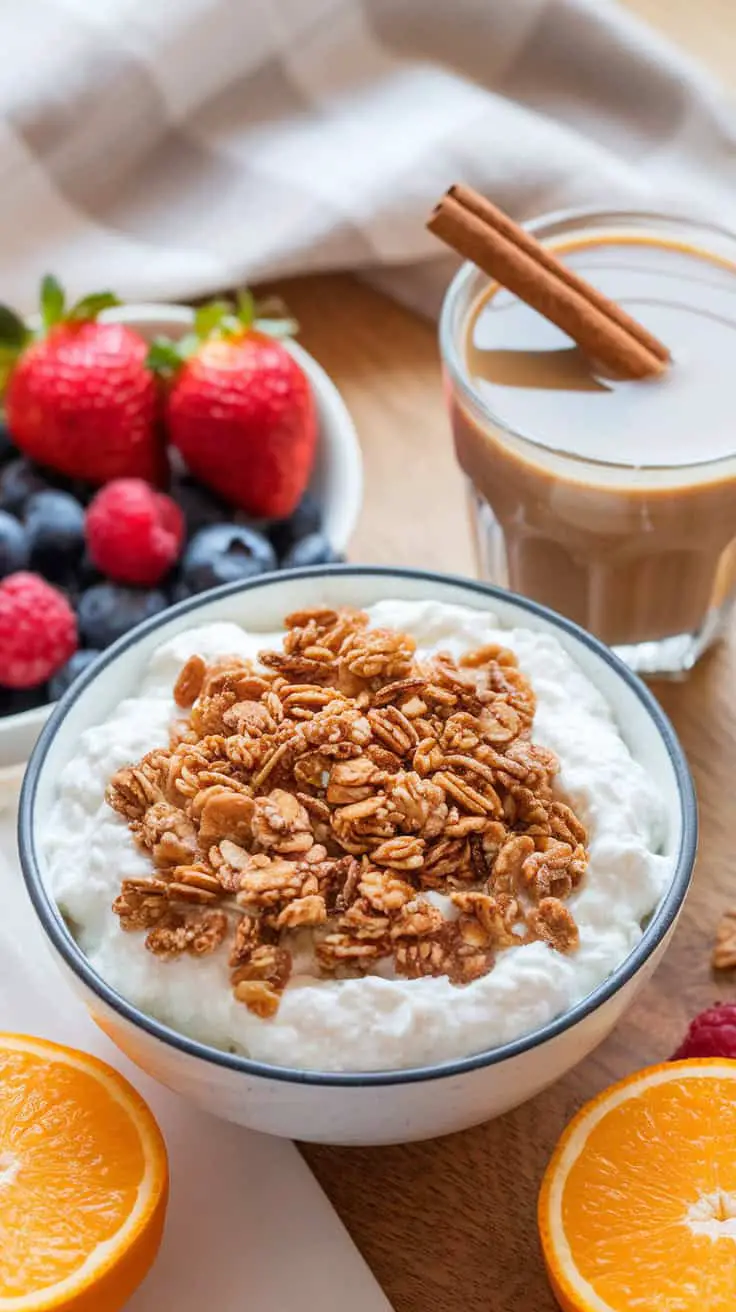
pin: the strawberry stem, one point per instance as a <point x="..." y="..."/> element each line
<point x="53" y="304"/>
<point x="52" y="301"/>
<point x="90" y="306"/>
<point x="246" y="305"/>
<point x="221" y="318"/>
<point x="208" y="318"/>
<point x="166" y="356"/>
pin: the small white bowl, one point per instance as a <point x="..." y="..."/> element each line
<point x="337" y="480"/>
<point x="375" y="1107"/>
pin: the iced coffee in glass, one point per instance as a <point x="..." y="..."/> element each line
<point x="612" y="501"/>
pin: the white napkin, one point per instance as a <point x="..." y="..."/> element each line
<point x="248" y="1225"/>
<point x="173" y="148"/>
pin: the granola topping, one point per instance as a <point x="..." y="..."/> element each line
<point x="394" y="809"/>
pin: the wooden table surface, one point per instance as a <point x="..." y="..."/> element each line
<point x="450" y="1225"/>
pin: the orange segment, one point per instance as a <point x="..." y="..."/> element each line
<point x="83" y="1181"/>
<point x="638" y="1205"/>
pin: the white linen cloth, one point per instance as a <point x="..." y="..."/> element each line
<point x="248" y="1225"/>
<point x="168" y="148"/>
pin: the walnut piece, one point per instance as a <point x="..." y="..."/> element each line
<point x="345" y="949"/>
<point x="552" y="922"/>
<point x="401" y="853"/>
<point x="378" y="653"/>
<point x="199" y="935"/>
<point x="724" y="948"/>
<point x="168" y="833"/>
<point x="141" y="903"/>
<point x="385" y="892"/>
<point x="133" y="790"/>
<point x="392" y="728"/>
<point x="468" y="797"/>
<point x="188" y="686"/>
<point x="416" y="805"/>
<point x="260" y="982"/>
<point x="268" y="882"/>
<point x="553" y="870"/>
<point x="443" y="953"/>
<point x="416" y="919"/>
<point x="281" y="823"/>
<point x="246" y="939"/>
<point x="353" y="781"/>
<point x="226" y="814"/>
<point x="310" y="910"/>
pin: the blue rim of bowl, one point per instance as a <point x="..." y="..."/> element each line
<point x="72" y="955"/>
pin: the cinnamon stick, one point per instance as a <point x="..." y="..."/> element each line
<point x="482" y="233"/>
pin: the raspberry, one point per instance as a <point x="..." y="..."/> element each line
<point x="711" y="1034"/>
<point x="134" y="534"/>
<point x="38" y="631"/>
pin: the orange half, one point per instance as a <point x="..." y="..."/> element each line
<point x="638" y="1205"/>
<point x="83" y="1181"/>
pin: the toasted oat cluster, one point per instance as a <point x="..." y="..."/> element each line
<point x="724" y="948"/>
<point x="327" y="791"/>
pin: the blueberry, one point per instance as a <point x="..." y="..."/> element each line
<point x="15" y="700"/>
<point x="18" y="481"/>
<point x="65" y="677"/>
<point x="108" y="610"/>
<point x="55" y="531"/>
<point x="13" y="545"/>
<point x="312" y="550"/>
<point x="224" y="553"/>
<point x="7" y="450"/>
<point x="199" y="506"/>
<point x="306" y="519"/>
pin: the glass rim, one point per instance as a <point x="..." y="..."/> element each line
<point x="454" y="363"/>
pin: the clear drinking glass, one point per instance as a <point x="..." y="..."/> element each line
<point x="642" y="556"/>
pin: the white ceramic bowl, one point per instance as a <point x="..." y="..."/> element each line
<point x="337" y="479"/>
<point x="371" y="1108"/>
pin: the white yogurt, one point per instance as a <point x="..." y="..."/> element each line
<point x="372" y="1023"/>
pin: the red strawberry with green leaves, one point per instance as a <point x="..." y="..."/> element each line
<point x="79" y="397"/>
<point x="239" y="407"/>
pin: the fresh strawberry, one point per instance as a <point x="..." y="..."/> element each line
<point x="80" y="398"/>
<point x="240" y="409"/>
